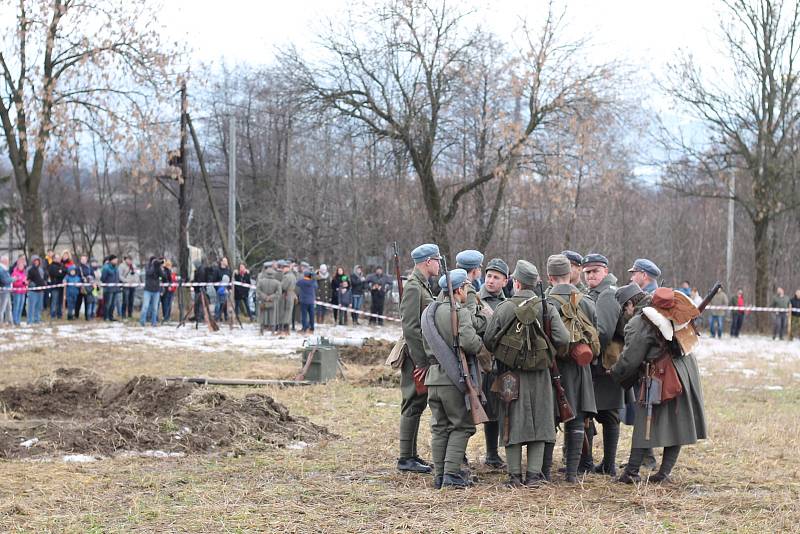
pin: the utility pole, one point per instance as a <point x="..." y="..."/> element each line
<point x="183" y="207"/>
<point x="729" y="251"/>
<point x="232" y="191"/>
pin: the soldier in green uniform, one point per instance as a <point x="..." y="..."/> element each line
<point x="576" y="270"/>
<point x="491" y="295"/>
<point x="531" y="416"/>
<point x="268" y="291"/>
<point x="675" y="422"/>
<point x="609" y="396"/>
<point x="575" y="379"/>
<point x="451" y="423"/>
<point x="416" y="296"/>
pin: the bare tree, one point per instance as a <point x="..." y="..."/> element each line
<point x="402" y="80"/>
<point x="66" y="64"/>
<point x="749" y="109"/>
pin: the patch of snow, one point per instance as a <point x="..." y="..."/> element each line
<point x="773" y="388"/>
<point x="297" y="445"/>
<point x="29" y="443"/>
<point x="78" y="458"/>
<point x="243" y="340"/>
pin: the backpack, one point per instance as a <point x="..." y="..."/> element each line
<point x="524" y="345"/>
<point x="584" y="343"/>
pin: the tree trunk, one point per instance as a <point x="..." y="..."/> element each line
<point x="32" y="215"/>
<point x="762" y="250"/>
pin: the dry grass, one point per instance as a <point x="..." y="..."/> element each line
<point x="745" y="478"/>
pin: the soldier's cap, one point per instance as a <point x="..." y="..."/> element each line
<point x="281" y="263"/>
<point x="458" y="277"/>
<point x="308" y="273"/>
<point x="526" y="273"/>
<point x="423" y="252"/>
<point x="558" y="265"/>
<point x="573" y="257"/>
<point x="497" y="264"/>
<point x="626" y="293"/>
<point x="594" y="259"/>
<point x="469" y="259"/>
<point x="646" y="266"/>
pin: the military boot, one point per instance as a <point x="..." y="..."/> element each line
<point x="411" y="465"/>
<point x="629" y="478"/>
<point x="534" y="480"/>
<point x="547" y="461"/>
<point x="575" y="438"/>
<point x="514" y="481"/>
<point x="660" y="478"/>
<point x="455" y="481"/>
<point x="491" y="432"/>
<point x="437" y="482"/>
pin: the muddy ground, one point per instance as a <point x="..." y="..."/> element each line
<point x="74" y="411"/>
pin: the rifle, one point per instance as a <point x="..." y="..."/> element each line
<point x="397" y="273"/>
<point x="708" y="298"/>
<point x="565" y="411"/>
<point x="651" y="395"/>
<point x="471" y="397"/>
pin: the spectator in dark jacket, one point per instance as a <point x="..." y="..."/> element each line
<point x="168" y="293"/>
<point x="307" y="294"/>
<point x="357" y="284"/>
<point x="241" y="293"/>
<point x="5" y="291"/>
<point x="335" y="282"/>
<point x="84" y="292"/>
<point x="379" y="284"/>
<point x="345" y="297"/>
<point x="153" y="276"/>
<point x="36" y="278"/>
<point x="110" y="275"/>
<point x="737" y="315"/>
<point x="324" y="291"/>
<point x="57" y="272"/>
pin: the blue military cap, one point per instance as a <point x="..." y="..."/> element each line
<point x="594" y="259"/>
<point x="469" y="259"/>
<point x="573" y="257"/>
<point x="645" y="266"/>
<point x="458" y="277"/>
<point x="423" y="252"/>
<point x="497" y="264"/>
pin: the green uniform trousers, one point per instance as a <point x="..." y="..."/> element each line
<point x="451" y="428"/>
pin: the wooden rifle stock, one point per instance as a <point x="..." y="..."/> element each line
<point x="472" y="397"/>
<point x="565" y="411"/>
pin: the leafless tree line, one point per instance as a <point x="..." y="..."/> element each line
<point x="430" y="128"/>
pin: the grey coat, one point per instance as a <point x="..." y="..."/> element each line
<point x="680" y="421"/>
<point x="532" y="416"/>
<point x="576" y="379"/>
<point x="608" y="394"/>
<point x="288" y="296"/>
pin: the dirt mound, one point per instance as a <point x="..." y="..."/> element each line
<point x="372" y="352"/>
<point x="72" y="411"/>
<point x="382" y="377"/>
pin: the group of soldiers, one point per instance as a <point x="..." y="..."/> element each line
<point x="275" y="292"/>
<point x="592" y="351"/>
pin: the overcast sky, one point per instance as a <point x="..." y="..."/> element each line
<point x="646" y="33"/>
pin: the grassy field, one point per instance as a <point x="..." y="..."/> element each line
<point x="745" y="478"/>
